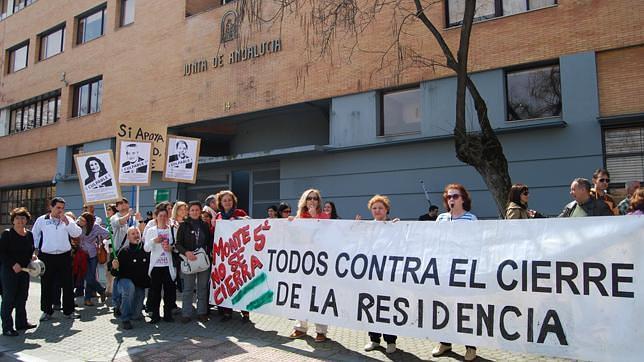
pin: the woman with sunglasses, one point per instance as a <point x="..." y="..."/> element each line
<point x="283" y="211"/>
<point x="601" y="179"/>
<point x="458" y="204"/>
<point x="310" y="207"/>
<point x="518" y="205"/>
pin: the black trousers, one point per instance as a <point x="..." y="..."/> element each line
<point x="58" y="274"/>
<point x="14" y="296"/>
<point x="375" y="337"/>
<point x="161" y="280"/>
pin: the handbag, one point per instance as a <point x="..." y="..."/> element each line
<point x="101" y="254"/>
<point x="195" y="266"/>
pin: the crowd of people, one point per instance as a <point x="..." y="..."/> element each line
<point x="149" y="260"/>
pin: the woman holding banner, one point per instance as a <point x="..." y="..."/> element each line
<point x="458" y="204"/>
<point x="227" y="207"/>
<point x="90" y="240"/>
<point x="161" y="270"/>
<point x="310" y="207"/>
<point x="380" y="206"/>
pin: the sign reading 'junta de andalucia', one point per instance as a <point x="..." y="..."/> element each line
<point x="235" y="56"/>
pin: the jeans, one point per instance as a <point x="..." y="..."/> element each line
<point x="91" y="284"/>
<point x="116" y="293"/>
<point x="131" y="299"/>
<point x="14" y="296"/>
<point x="200" y="282"/>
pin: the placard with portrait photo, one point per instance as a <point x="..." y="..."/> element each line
<point x="134" y="162"/>
<point x="97" y="178"/>
<point x="182" y="156"/>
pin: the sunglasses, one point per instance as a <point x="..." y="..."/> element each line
<point x="453" y="197"/>
<point x="288" y="211"/>
<point x="606" y="180"/>
<point x="526" y="193"/>
<point x="309" y="198"/>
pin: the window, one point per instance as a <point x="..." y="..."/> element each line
<point x="624" y="153"/>
<point x="52" y="42"/>
<point x="73" y="151"/>
<point x="35" y="112"/>
<point x="87" y="97"/>
<point x="91" y="25"/>
<point x="199" y="6"/>
<point x="21" y="4"/>
<point x="266" y="191"/>
<point x="35" y="199"/>
<point x="127" y="12"/>
<point x="534" y="93"/>
<point x="4" y="9"/>
<point x="486" y="9"/>
<point x="18" y="57"/>
<point x="400" y="112"/>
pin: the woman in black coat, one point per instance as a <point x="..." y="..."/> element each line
<point x="16" y="251"/>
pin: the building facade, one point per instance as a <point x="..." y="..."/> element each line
<point x="563" y="81"/>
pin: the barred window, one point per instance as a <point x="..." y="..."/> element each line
<point x="624" y="153"/>
<point x="35" y="199"/>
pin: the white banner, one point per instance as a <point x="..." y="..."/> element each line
<point x="560" y="287"/>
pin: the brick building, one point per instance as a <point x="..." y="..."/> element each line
<point x="563" y="81"/>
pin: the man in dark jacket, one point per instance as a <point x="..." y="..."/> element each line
<point x="131" y="269"/>
<point x="584" y="204"/>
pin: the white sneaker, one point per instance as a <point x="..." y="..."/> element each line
<point x="391" y="348"/>
<point x="441" y="349"/>
<point x="470" y="354"/>
<point x="45" y="317"/>
<point x="371" y="346"/>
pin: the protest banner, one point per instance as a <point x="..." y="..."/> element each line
<point x="559" y="287"/>
<point x="134" y="162"/>
<point x="182" y="158"/>
<point x="96" y="177"/>
<point x="146" y="131"/>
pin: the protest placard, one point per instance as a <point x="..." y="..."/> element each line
<point x="560" y="287"/>
<point x="182" y="156"/>
<point x="134" y="162"/>
<point x="96" y="177"/>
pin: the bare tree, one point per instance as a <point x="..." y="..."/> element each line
<point x="332" y="26"/>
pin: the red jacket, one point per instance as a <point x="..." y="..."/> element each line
<point x="321" y="215"/>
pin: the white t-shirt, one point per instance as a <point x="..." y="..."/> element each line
<point x="165" y="258"/>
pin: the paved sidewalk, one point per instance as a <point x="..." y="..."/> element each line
<point x="97" y="337"/>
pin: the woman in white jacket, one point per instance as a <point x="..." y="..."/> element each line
<point x="159" y="242"/>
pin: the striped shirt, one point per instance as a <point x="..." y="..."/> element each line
<point x="446" y="216"/>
